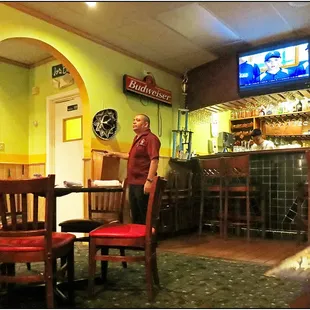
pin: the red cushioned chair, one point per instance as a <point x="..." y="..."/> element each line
<point x="22" y="240"/>
<point x="129" y="236"/>
<point x="103" y="209"/>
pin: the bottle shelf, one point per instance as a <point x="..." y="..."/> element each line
<point x="276" y="116"/>
<point x="302" y="137"/>
<point x="244" y="127"/>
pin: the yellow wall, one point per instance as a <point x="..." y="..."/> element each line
<point x="40" y="77"/>
<point x="14" y="110"/>
<point x="199" y="123"/>
<point x="102" y="70"/>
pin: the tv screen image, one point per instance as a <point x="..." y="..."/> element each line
<point x="265" y="69"/>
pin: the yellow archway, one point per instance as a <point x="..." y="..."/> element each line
<point x="79" y="82"/>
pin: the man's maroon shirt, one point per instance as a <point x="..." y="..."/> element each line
<point x="144" y="149"/>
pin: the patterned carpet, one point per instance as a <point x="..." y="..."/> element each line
<point x="187" y="282"/>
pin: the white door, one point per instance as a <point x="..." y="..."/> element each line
<point x="68" y="158"/>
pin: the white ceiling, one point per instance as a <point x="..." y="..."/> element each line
<point x="177" y="36"/>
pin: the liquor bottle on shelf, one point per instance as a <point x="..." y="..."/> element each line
<point x="299" y="106"/>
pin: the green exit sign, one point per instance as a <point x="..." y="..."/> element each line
<point x="59" y="70"/>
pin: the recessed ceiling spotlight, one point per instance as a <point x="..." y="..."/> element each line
<point x="298" y="4"/>
<point x="91" y="4"/>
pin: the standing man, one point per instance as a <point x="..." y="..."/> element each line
<point x="142" y="166"/>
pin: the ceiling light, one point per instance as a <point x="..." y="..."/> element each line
<point x="298" y="4"/>
<point x="91" y="4"/>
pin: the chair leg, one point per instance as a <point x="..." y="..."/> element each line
<point x="155" y="269"/>
<point x="263" y="204"/>
<point x="91" y="267"/>
<point x="104" y="264"/>
<point x="10" y="271"/>
<point x="248" y="217"/>
<point x="248" y="211"/>
<point x="149" y="278"/>
<point x="3" y="272"/>
<point x="225" y="214"/>
<point x="63" y="261"/>
<point x="70" y="273"/>
<point x="49" y="280"/>
<point x="122" y="253"/>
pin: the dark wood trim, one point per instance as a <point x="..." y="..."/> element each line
<point x="42" y="62"/>
<point x="14" y="63"/>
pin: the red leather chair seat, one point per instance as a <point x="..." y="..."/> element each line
<point x="120" y="231"/>
<point x="33" y="244"/>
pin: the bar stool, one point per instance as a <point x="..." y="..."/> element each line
<point x="212" y="173"/>
<point x="168" y="204"/>
<point x="183" y="202"/>
<point x="237" y="187"/>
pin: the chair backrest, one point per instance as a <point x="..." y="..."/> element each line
<point x="106" y="206"/>
<point x="237" y="166"/>
<point x="212" y="168"/>
<point x="19" y="204"/>
<point x="153" y="208"/>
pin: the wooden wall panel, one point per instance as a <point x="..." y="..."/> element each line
<point x="20" y="171"/>
<point x="36" y="169"/>
<point x="213" y="83"/>
<point x="15" y="171"/>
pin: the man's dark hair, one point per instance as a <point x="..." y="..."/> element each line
<point x="256" y="132"/>
<point x="146" y="119"/>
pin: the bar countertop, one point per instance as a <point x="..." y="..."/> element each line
<point x="274" y="151"/>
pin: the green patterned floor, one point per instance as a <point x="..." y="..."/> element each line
<point x="187" y="282"/>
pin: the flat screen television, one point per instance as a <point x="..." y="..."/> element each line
<point x="274" y="68"/>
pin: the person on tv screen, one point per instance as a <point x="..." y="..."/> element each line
<point x="248" y="72"/>
<point x="303" y="68"/>
<point x="274" y="70"/>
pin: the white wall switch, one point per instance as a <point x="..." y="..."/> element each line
<point x="1" y="146"/>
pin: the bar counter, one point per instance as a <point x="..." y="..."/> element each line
<point x="274" y="151"/>
<point x="281" y="172"/>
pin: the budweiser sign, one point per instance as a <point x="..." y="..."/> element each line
<point x="147" y="88"/>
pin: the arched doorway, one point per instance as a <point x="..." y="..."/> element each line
<point x="38" y="127"/>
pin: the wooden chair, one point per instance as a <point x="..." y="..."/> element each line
<point x="19" y="219"/>
<point x="22" y="240"/>
<point x="211" y="187"/>
<point x="103" y="209"/>
<point x="134" y="236"/>
<point x="237" y="187"/>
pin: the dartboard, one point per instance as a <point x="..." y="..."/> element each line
<point x="105" y="124"/>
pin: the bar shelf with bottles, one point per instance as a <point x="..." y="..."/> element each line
<point x="286" y="125"/>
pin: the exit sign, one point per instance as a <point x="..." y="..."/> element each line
<point x="59" y="70"/>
